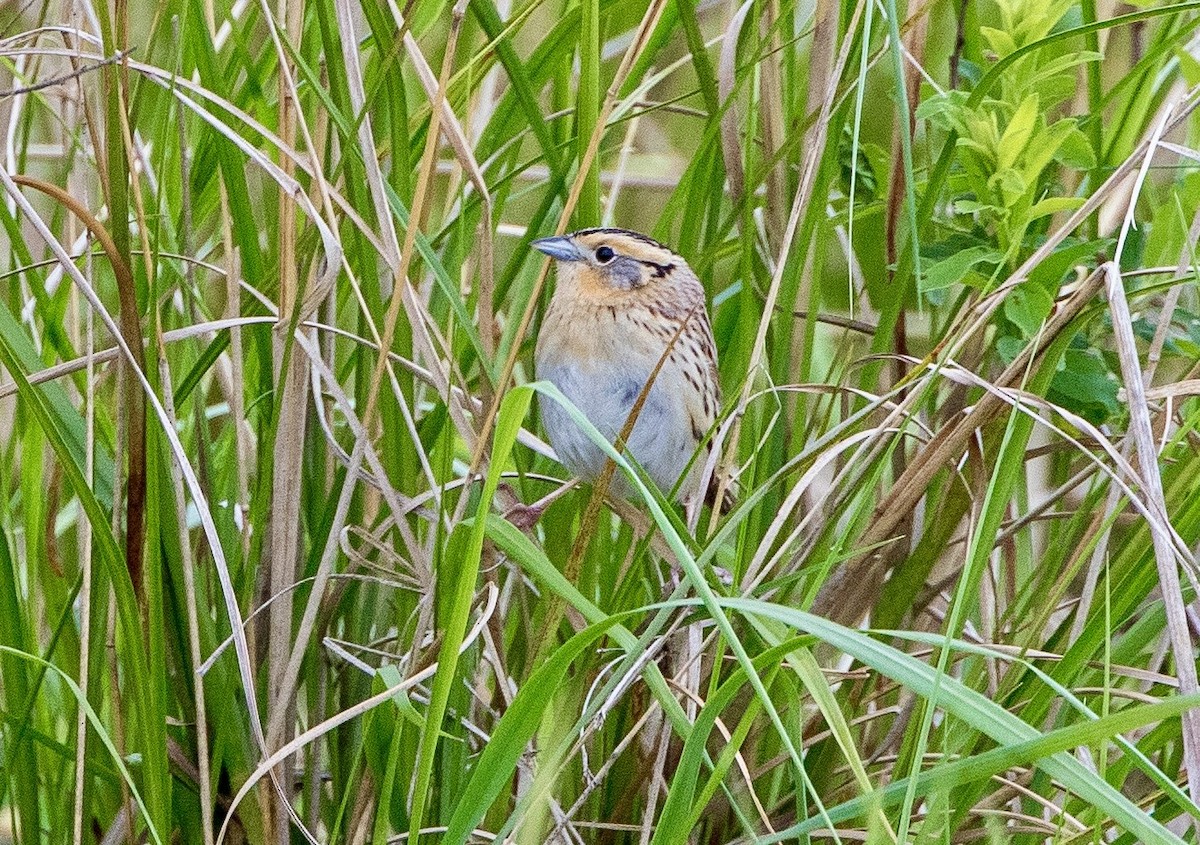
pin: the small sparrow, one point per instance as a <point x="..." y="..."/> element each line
<point x="623" y="302"/>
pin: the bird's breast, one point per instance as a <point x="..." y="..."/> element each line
<point x="601" y="364"/>
<point x="599" y="336"/>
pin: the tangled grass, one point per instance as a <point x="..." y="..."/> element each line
<point x="266" y="399"/>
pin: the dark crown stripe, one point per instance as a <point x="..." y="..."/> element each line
<point x="609" y="230"/>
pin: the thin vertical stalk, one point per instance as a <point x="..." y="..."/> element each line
<point x="85" y="588"/>
<point x="1095" y="97"/>
<point x="859" y="93"/>
<point x="292" y="387"/>
<point x="187" y="560"/>
<point x="85" y="526"/>
<point x="114" y="32"/>
<point x="905" y="122"/>
<point x="587" y="113"/>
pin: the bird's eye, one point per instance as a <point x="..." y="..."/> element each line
<point x="605" y="254"/>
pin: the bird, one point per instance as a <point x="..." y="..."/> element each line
<point x="622" y="303"/>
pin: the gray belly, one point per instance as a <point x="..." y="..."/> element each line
<point x="661" y="440"/>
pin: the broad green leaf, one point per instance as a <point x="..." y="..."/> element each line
<point x="1041" y="153"/>
<point x="1083" y="384"/>
<point x="1076" y="151"/>
<point x="943" y="109"/>
<point x="951" y="270"/>
<point x="1051" y="273"/>
<point x="1028" y="306"/>
<point x="1017" y="134"/>
<point x="1053" y="205"/>
<point x="999" y="40"/>
<point x="1009" y="185"/>
<point x="1189" y="66"/>
<point x="972" y="207"/>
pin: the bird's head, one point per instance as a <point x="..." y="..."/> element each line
<point x="610" y="262"/>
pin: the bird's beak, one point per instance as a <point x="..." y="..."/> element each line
<point x="560" y="248"/>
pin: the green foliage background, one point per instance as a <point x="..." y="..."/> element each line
<point x="949" y="250"/>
